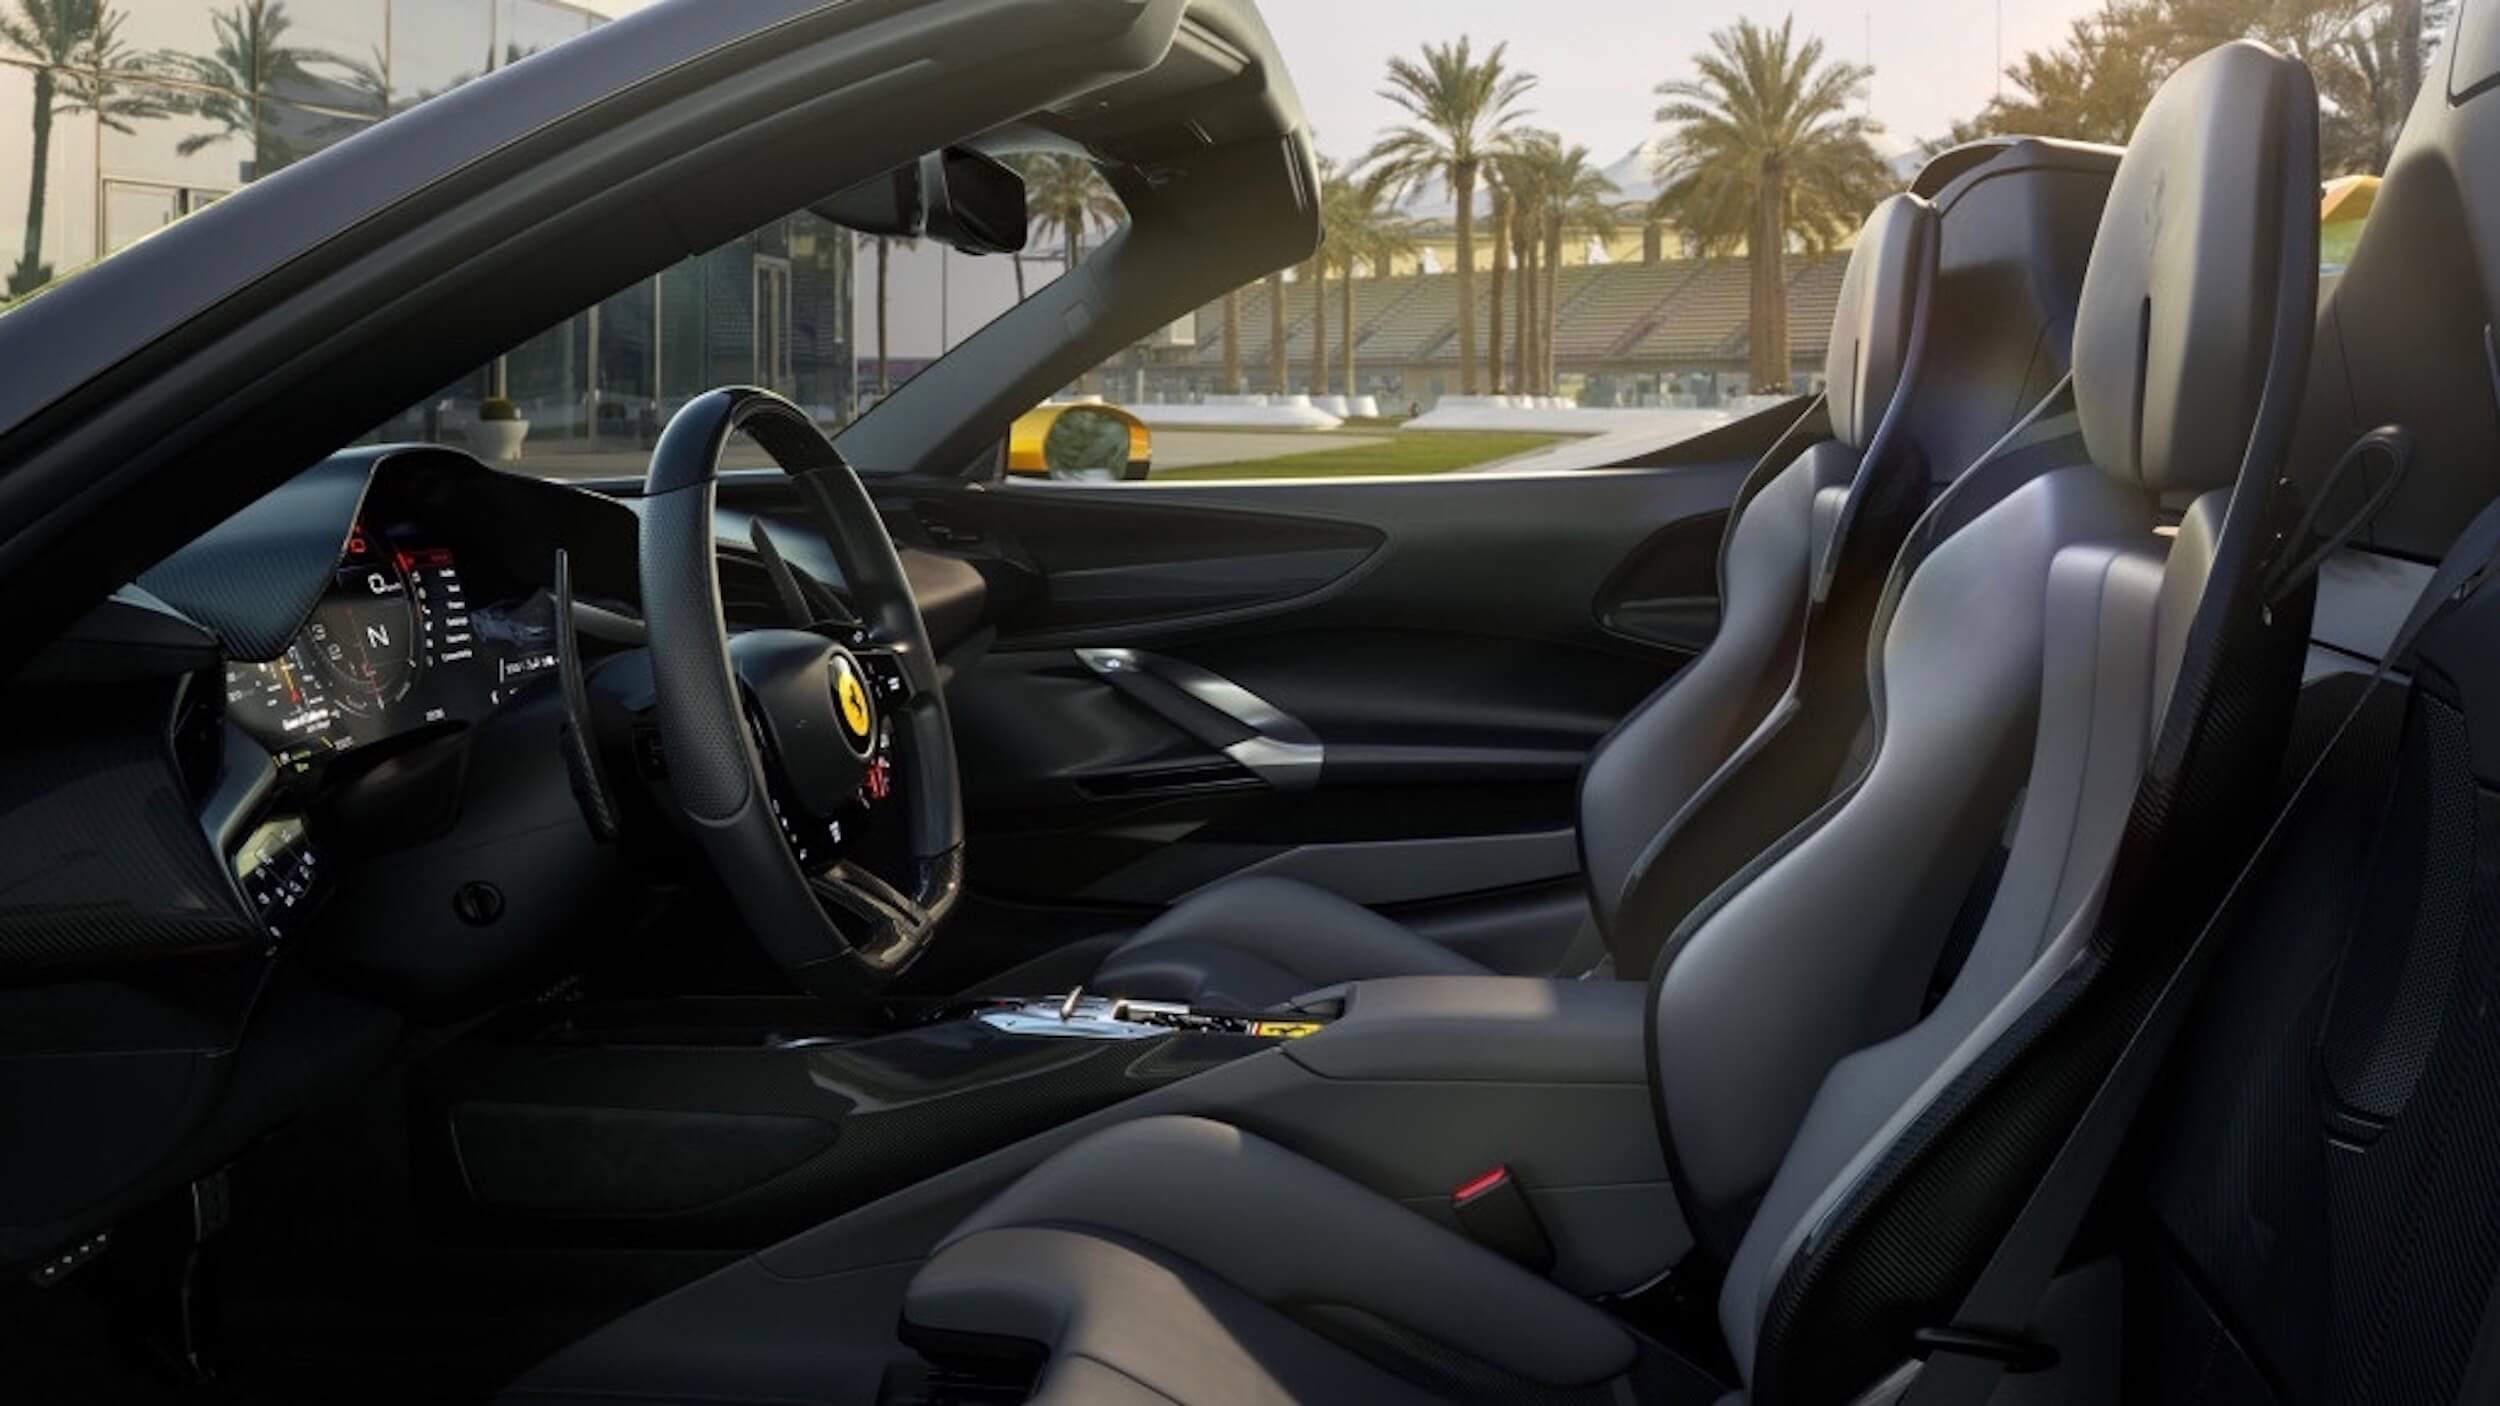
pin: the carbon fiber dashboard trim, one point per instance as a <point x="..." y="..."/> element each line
<point x="102" y="856"/>
<point x="254" y="578"/>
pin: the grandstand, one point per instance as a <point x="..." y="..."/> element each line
<point x="1417" y="323"/>
<point x="1376" y="302"/>
<point x="1621" y="304"/>
<point x="1641" y="321"/>
<point x="1695" y="327"/>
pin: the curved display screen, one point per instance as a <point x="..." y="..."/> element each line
<point x="396" y="644"/>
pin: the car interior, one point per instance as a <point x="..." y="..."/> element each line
<point x="1981" y="884"/>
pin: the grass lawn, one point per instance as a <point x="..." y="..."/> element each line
<point x="1405" y="454"/>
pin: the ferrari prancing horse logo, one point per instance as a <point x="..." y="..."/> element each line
<point x="853" y="695"/>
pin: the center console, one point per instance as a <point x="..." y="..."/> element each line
<point x="1416" y="1087"/>
<point x="692" y="1125"/>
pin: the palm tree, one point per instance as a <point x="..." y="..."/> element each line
<point x="1364" y="228"/>
<point x="1527" y="249"/>
<point x="2364" y="104"/>
<point x="1232" y="341"/>
<point x="76" y="49"/>
<point x="1499" y="215"/>
<point x="1459" y="106"/>
<point x="1575" y="197"/>
<point x="1317" y="271"/>
<point x="1067" y="195"/>
<point x="1337" y="195"/>
<point x="1763" y="146"/>
<point x="2092" y="86"/>
<point x="1278" y="354"/>
<point x="1028" y="166"/>
<point x="1520" y="176"/>
<point x="251" y="59"/>
<point x="2405" y="23"/>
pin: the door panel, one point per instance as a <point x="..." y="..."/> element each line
<point x="1453" y="646"/>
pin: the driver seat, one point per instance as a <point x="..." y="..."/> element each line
<point x="1806" y="547"/>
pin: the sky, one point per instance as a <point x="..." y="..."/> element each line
<point x="1935" y="60"/>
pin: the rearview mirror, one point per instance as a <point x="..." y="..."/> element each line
<point x="975" y="203"/>
<point x="957" y="197"/>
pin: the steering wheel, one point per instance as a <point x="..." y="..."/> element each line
<point x="771" y="738"/>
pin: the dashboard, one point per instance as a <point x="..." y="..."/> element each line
<point x="367" y="720"/>
<point x="397" y="642"/>
<point x="308" y="776"/>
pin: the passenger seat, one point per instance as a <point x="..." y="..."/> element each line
<point x="1806" y="531"/>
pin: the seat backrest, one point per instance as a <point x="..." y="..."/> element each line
<point x="1846" y="491"/>
<point x="2018" y="214"/>
<point x="2107" y="698"/>
<point x="1748" y="740"/>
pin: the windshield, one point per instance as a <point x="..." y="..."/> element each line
<point x="1541" y="229"/>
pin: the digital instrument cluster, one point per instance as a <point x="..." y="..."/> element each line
<point x="396" y="644"/>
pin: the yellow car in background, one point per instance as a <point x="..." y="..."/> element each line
<point x="2343" y="209"/>
<point x="1083" y="440"/>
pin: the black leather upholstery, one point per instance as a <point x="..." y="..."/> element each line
<point x="1195" y="1258"/>
<point x="2177" y="322"/>
<point x="1271" y="941"/>
<point x="1873" y="347"/>
<point x="1249" y="944"/>
<point x="1831" y="946"/>
<point x="2175" y="685"/>
<point x="1121" y="1320"/>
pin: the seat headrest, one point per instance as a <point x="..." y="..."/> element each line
<point x="1870" y="346"/>
<point x="2189" y="271"/>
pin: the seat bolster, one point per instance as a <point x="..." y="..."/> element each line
<point x="1252" y="943"/>
<point x="1291" y="1233"/>
<point x="1124" y="1323"/>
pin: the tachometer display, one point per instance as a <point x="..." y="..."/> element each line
<point x="284" y="703"/>
<point x="367" y="633"/>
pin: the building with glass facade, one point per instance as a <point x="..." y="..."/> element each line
<point x="118" y="117"/>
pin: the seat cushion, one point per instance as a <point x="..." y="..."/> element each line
<point x="1201" y="1263"/>
<point x="1127" y="1322"/>
<point x="1253" y="943"/>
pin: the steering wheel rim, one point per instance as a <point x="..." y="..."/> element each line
<point x="709" y="717"/>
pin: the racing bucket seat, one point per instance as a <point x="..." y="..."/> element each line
<point x="1800" y="565"/>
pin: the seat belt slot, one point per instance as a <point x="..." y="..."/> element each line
<point x="1496" y="1214"/>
